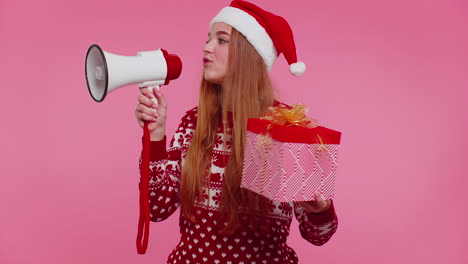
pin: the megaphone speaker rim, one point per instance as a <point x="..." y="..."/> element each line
<point x="105" y="68"/>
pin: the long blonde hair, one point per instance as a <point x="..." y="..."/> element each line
<point x="247" y="92"/>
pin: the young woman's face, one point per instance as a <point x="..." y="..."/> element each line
<point x="215" y="53"/>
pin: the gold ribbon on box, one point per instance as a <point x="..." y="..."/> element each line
<point x="283" y="116"/>
<point x="294" y="116"/>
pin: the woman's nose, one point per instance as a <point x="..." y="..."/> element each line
<point x="208" y="47"/>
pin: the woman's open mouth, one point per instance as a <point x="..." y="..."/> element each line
<point x="206" y="61"/>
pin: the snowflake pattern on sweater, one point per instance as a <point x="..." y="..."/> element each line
<point x="202" y="241"/>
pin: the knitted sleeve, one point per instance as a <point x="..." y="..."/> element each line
<point x="316" y="228"/>
<point x="165" y="170"/>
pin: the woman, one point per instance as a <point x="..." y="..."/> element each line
<point x="201" y="170"/>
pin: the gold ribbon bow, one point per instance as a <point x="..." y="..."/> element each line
<point x="295" y="116"/>
<point x="284" y="116"/>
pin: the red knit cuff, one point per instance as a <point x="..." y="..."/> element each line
<point x="158" y="150"/>
<point x="323" y="217"/>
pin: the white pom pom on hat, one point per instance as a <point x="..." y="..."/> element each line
<point x="269" y="34"/>
<point x="297" y="68"/>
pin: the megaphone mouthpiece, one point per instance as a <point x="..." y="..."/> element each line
<point x="174" y="66"/>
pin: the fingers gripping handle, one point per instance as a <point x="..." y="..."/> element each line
<point x="151" y="88"/>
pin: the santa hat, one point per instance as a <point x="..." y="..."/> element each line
<point x="269" y="34"/>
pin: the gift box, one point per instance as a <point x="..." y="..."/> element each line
<point x="288" y="160"/>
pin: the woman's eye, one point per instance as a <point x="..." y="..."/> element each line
<point x="222" y="41"/>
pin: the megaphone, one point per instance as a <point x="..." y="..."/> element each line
<point x="106" y="72"/>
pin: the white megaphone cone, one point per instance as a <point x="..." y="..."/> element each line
<point x="106" y="72"/>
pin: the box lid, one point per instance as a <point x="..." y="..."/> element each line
<point x="294" y="134"/>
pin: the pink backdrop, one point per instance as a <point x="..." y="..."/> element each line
<point x="391" y="75"/>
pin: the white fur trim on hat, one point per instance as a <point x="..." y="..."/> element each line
<point x="252" y="30"/>
<point x="297" y="68"/>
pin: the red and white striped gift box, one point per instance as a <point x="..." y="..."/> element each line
<point x="290" y="163"/>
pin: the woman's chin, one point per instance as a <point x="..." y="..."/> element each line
<point x="213" y="79"/>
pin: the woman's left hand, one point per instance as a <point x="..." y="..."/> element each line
<point x="320" y="205"/>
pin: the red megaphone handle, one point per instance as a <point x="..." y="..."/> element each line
<point x="144" y="221"/>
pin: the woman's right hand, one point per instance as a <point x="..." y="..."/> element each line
<point x="148" y="111"/>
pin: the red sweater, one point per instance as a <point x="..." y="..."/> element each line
<point x="202" y="242"/>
